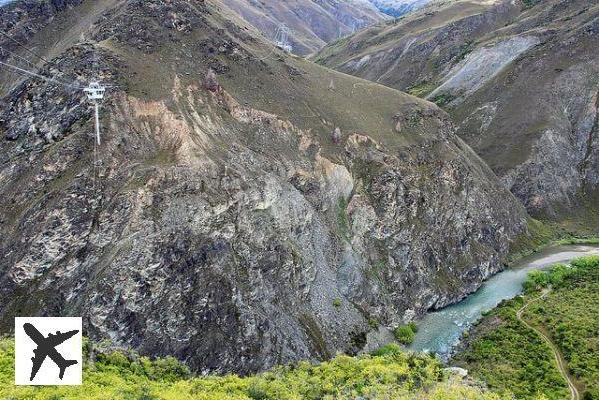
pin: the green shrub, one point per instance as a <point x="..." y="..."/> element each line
<point x="405" y="334"/>
<point x="443" y="99"/>
<point x="389" y="349"/>
<point x="536" y="280"/>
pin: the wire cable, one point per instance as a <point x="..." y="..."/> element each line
<point x="15" y="55"/>
<point x="28" y="50"/>
<point x="43" y="59"/>
<point x="23" y="46"/>
<point x="40" y="76"/>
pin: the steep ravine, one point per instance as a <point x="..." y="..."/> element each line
<point x="226" y="224"/>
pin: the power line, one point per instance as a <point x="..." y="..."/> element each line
<point x="39" y="76"/>
<point x="28" y="50"/>
<point x="45" y="61"/>
<point x="17" y="56"/>
<point x="95" y="92"/>
<point x="281" y="41"/>
<point x="23" y="46"/>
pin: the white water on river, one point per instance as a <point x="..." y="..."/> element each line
<point x="440" y="331"/>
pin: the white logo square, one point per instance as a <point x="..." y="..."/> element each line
<point x="48" y="351"/>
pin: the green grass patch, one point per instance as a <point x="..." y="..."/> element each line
<point x="544" y="234"/>
<point x="538" y="236"/>
<point x="343" y="220"/>
<point x="421" y="89"/>
<point x="463" y="51"/>
<point x="443" y="99"/>
<point x="591" y="240"/>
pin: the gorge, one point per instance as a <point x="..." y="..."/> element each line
<point x="250" y="207"/>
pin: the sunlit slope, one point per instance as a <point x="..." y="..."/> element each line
<point x="312" y="24"/>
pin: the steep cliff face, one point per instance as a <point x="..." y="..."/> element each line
<point x="221" y="221"/>
<point x="312" y="23"/>
<point x="519" y="78"/>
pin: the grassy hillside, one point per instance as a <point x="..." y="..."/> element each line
<point x="510" y="356"/>
<point x="388" y="374"/>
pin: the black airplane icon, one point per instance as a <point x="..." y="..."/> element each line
<point x="46" y="347"/>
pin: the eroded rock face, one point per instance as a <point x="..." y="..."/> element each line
<point x="481" y="66"/>
<point x="223" y="233"/>
<point x="547" y="109"/>
<point x="519" y="80"/>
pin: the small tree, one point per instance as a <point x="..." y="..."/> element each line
<point x="536" y="280"/>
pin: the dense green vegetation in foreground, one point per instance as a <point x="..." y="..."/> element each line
<point x="388" y="374"/>
<point x="510" y="357"/>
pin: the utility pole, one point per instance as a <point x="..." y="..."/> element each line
<point x="282" y="38"/>
<point x="95" y="92"/>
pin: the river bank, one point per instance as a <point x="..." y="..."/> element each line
<point x="543" y="342"/>
<point x="439" y="331"/>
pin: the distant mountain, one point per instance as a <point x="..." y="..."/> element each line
<point x="397" y="8"/>
<point x="312" y="23"/>
<point x="519" y="78"/>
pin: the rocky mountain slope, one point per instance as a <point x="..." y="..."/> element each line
<point x="520" y="78"/>
<point x="268" y="211"/>
<point x="312" y="23"/>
